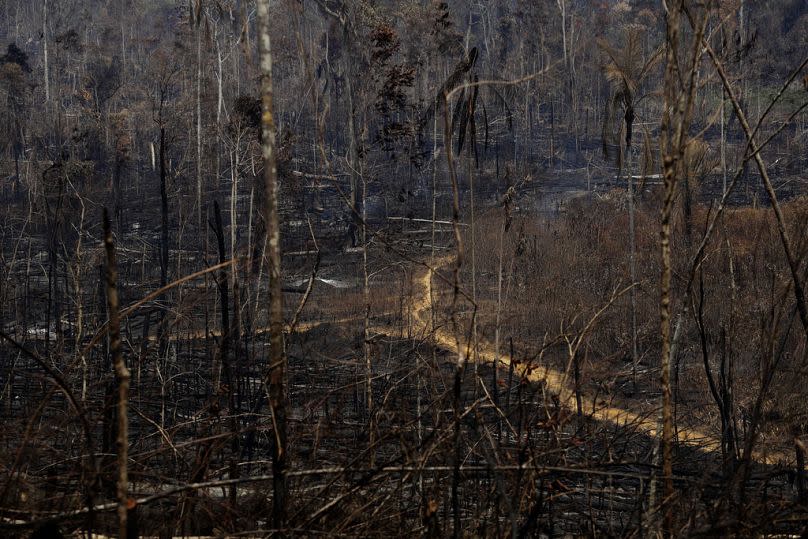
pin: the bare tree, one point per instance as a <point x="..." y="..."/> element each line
<point x="122" y="380"/>
<point x="275" y="380"/>
<point x="680" y="85"/>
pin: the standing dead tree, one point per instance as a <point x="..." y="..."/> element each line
<point x="275" y="378"/>
<point x="680" y="85"/>
<point x="121" y="378"/>
<point x="626" y="70"/>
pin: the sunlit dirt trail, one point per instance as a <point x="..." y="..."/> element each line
<point x="555" y="380"/>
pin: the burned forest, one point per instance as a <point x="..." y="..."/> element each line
<point x="403" y="268"/>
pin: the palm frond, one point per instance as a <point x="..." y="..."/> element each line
<point x="625" y="69"/>
<point x="653" y="61"/>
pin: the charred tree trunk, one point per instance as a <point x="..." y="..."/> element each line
<point x="274" y="382"/>
<point x="163" y="337"/>
<point x="224" y="345"/>
<point x="121" y="379"/>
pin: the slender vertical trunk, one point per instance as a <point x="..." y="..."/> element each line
<point x="461" y="355"/>
<point x="723" y="146"/>
<point x="552" y="133"/>
<point x="432" y="310"/>
<point x="633" y="269"/>
<point x="353" y="151"/>
<point x="470" y="172"/>
<point x="240" y="354"/>
<point x="562" y="7"/>
<point x="163" y="337"/>
<point x="366" y="327"/>
<point x="121" y="378"/>
<point x="498" y="321"/>
<point x="802" y="496"/>
<point x="665" y="313"/>
<point x="45" y="50"/>
<point x="675" y="125"/>
<point x="219" y="93"/>
<point x="576" y="376"/>
<point x="199" y="127"/>
<point x="234" y="164"/>
<point x="123" y="50"/>
<point x="224" y="295"/>
<point x="670" y="144"/>
<point x="275" y="382"/>
<point x="236" y="327"/>
<point x="224" y="350"/>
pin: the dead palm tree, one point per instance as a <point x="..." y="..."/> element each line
<point x="626" y="70"/>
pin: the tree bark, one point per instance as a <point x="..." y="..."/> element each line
<point x="669" y="143"/>
<point x="680" y="83"/>
<point x="635" y="357"/>
<point x="45" y="49"/>
<point x="162" y="326"/>
<point x="122" y="378"/>
<point x="275" y="379"/>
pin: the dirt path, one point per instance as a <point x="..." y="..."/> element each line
<point x="556" y="380"/>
